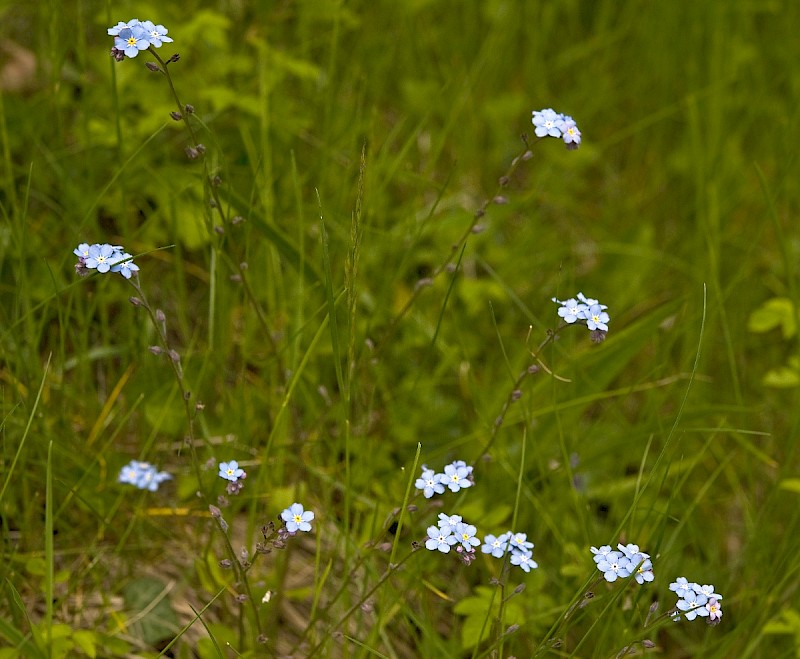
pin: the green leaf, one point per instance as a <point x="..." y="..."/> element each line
<point x="36" y="566"/>
<point x="477" y="609"/>
<point x="61" y="643"/>
<point x="777" y="312"/>
<point x="782" y="377"/>
<point x="788" y="622"/>
<point x="790" y="484"/>
<point x="86" y="641"/>
<point x="160" y="621"/>
<point x="220" y="636"/>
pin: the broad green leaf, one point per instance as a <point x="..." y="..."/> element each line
<point x="477" y="609"/>
<point x="87" y="641"/>
<point x="160" y="622"/>
<point x="790" y="484"/>
<point x="788" y="622"/>
<point x="782" y="377"/>
<point x="777" y="312"/>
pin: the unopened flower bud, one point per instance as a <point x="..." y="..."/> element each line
<point x="135" y="301"/>
<point x="152" y="66"/>
<point x="156" y="350"/>
<point x="189" y="108"/>
<point x="191" y="153"/>
<point x="177" y="116"/>
<point x="597" y="336"/>
<point x="500" y="200"/>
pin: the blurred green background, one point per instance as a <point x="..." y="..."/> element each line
<point x="678" y="212"/>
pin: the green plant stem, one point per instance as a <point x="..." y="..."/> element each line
<point x="459" y="244"/>
<point x="514" y="394"/>
<point x="186" y="397"/>
<point x="389" y="572"/>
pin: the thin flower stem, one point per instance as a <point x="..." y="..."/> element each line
<point x="181" y="108"/>
<point x="211" y="187"/>
<point x="526" y="154"/>
<point x="241" y="575"/>
<point x="513" y="394"/>
<point x="176" y="369"/>
<point x="186" y="396"/>
<point x="389" y="572"/>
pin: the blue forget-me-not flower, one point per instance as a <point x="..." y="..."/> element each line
<point x="296" y="518"/>
<point x="104" y="258"/>
<point x="549" y="123"/>
<point x="231" y="471"/>
<point x="142" y="475"/>
<point x="696" y="601"/>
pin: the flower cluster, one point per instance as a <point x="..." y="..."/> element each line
<point x="104" y="258"/>
<point x="623" y="563"/>
<point x="297" y="519"/>
<point x="584" y="310"/>
<point x="143" y="475"/>
<point x="696" y="600"/>
<point x="550" y="123"/>
<point x="136" y="35"/>
<point x="517" y="543"/>
<point x="456" y="476"/>
<point x="452" y="530"/>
